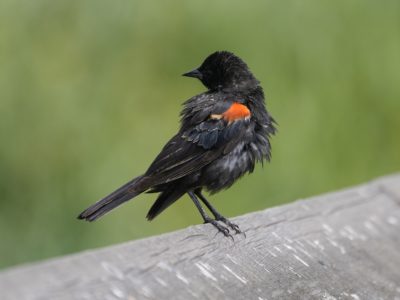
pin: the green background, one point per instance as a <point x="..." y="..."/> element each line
<point x="90" y="90"/>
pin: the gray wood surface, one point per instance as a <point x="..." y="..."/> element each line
<point x="343" y="245"/>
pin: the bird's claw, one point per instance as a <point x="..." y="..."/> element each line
<point x="224" y="230"/>
<point x="233" y="226"/>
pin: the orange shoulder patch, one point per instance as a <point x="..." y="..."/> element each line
<point x="237" y="111"/>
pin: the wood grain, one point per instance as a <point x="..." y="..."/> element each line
<point x="342" y="245"/>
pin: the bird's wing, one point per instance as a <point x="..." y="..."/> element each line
<point x="197" y="145"/>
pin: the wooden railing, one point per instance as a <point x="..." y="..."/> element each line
<point x="342" y="245"/>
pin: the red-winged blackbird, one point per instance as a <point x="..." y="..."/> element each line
<point x="223" y="133"/>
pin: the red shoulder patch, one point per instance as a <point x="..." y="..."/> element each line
<point x="237" y="111"/>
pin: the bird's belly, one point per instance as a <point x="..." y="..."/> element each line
<point x="223" y="172"/>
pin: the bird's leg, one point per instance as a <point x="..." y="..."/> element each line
<point x="216" y="214"/>
<point x="206" y="218"/>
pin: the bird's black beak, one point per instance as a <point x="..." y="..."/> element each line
<point x="195" y="74"/>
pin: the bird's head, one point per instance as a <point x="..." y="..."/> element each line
<point x="224" y="70"/>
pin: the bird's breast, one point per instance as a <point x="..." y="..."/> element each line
<point x="223" y="172"/>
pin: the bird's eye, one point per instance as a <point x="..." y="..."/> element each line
<point x="207" y="73"/>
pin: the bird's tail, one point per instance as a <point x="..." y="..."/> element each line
<point x="116" y="198"/>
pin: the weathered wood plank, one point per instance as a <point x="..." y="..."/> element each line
<point x="343" y="245"/>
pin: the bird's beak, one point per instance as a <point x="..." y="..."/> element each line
<point x="195" y="74"/>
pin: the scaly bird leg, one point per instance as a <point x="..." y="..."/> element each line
<point x="206" y="218"/>
<point x="216" y="214"/>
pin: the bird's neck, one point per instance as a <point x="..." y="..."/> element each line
<point x="241" y="88"/>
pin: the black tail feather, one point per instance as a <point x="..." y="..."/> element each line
<point x="116" y="198"/>
<point x="164" y="200"/>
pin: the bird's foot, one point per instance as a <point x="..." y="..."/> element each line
<point x="234" y="226"/>
<point x="224" y="230"/>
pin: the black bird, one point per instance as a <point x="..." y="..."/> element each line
<point x="224" y="132"/>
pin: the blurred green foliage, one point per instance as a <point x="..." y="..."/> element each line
<point x="90" y="90"/>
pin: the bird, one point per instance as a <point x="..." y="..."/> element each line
<point x="223" y="133"/>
